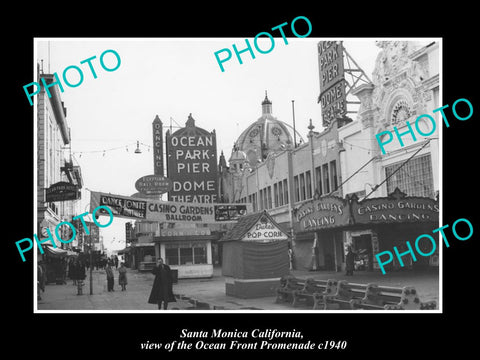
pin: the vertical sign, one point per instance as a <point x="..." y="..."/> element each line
<point x="332" y="80"/>
<point x="157" y="146"/>
<point x="192" y="164"/>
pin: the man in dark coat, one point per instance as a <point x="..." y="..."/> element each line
<point x="162" y="290"/>
<point x="350" y="261"/>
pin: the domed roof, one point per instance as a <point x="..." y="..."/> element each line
<point x="237" y="155"/>
<point x="266" y="135"/>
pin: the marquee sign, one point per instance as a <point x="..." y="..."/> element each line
<point x="324" y="213"/>
<point x="192" y="164"/>
<point x="62" y="191"/>
<point x="332" y="97"/>
<point x="395" y="208"/>
<point x="164" y="211"/>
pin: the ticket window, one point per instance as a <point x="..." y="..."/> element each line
<point x="362" y="245"/>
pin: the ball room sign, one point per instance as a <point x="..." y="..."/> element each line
<point x="164" y="211"/>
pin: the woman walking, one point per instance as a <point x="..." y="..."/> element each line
<point x="110" y="279"/>
<point x="122" y="276"/>
<point x="162" y="291"/>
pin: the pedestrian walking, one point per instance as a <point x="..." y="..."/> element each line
<point x="350" y="261"/>
<point x="72" y="270"/>
<point x="80" y="276"/>
<point x="115" y="260"/>
<point x="40" y="279"/>
<point x="110" y="278"/>
<point x="122" y="276"/>
<point x="162" y="291"/>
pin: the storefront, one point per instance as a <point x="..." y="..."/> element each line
<point x="326" y="227"/>
<point x="379" y="224"/>
<point x="187" y="250"/>
<point x="55" y="262"/>
<point x="319" y="235"/>
<point x="255" y="254"/>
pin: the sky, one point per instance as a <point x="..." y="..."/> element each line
<point x="171" y="78"/>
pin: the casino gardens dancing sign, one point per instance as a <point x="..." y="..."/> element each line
<point x="397" y="207"/>
<point x="330" y="212"/>
<point x="326" y="212"/>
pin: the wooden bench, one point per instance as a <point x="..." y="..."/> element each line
<point x="391" y="298"/>
<point x="345" y="293"/>
<point x="313" y="292"/>
<point x="288" y="285"/>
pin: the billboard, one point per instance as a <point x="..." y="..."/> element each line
<point x="192" y="164"/>
<point x="167" y="211"/>
<point x="333" y="99"/>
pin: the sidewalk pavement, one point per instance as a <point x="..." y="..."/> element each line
<point x="207" y="294"/>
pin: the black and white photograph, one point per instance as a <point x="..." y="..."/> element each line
<point x="276" y="190"/>
<point x="330" y="160"/>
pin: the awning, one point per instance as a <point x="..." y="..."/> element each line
<point x="124" y="251"/>
<point x="55" y="252"/>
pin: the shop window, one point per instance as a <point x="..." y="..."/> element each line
<point x="326" y="181"/>
<point x="415" y="178"/>
<point x="285" y="192"/>
<point x="280" y="194"/>
<point x="297" y="188"/>
<point x="308" y="180"/>
<point x="333" y="172"/>
<point x="302" y="187"/>
<point x="200" y="255"/>
<point x="275" y="194"/>
<point x="171" y="256"/>
<point x="269" y="197"/>
<point x="318" y="176"/>
<point x="186" y="256"/>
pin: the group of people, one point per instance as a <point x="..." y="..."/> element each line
<point x="122" y="276"/>
<point x="162" y="288"/>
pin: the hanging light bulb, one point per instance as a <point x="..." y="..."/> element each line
<point x="137" y="150"/>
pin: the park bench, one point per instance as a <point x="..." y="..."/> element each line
<point x="392" y="298"/>
<point x="314" y="291"/>
<point x="346" y="292"/>
<point x="288" y="285"/>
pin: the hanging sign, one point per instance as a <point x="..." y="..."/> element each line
<point x="164" y="211"/>
<point x="153" y="185"/>
<point x="62" y="191"/>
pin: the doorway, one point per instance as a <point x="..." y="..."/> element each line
<point x="362" y="246"/>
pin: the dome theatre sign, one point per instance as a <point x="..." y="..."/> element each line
<point x="333" y="98"/>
